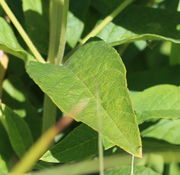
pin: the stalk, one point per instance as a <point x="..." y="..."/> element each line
<point x="106" y="21"/>
<point x="102" y="25"/>
<point x="21" y="31"/>
<point x="58" y="22"/>
<point x="100" y="143"/>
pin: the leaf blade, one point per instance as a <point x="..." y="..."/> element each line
<point x="68" y="84"/>
<point x="17" y="130"/>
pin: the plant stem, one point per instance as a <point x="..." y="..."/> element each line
<point x="21" y="31"/>
<point x="100" y="143"/>
<point x="132" y="166"/>
<point x="106" y="21"/>
<point x="58" y="21"/>
<point x="49" y="113"/>
<point x="61" y="49"/>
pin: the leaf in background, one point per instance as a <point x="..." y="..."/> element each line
<point x="6" y="151"/>
<point x="154" y="24"/>
<point x="167" y="130"/>
<point x="17" y="130"/>
<point x="9" y="43"/>
<point x="3" y="166"/>
<point x="74" y="29"/>
<point x="137" y="171"/>
<point x="79" y="144"/>
<point x="95" y="66"/>
<point x="16" y="96"/>
<point x="157" y="102"/>
<point x="76" y="19"/>
<point x="37" y="22"/>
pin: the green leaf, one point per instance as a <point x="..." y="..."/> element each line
<point x="17" y="130"/>
<point x="138" y="171"/>
<point x="93" y="67"/>
<point x="16" y="96"/>
<point x="3" y="166"/>
<point x="157" y="102"/>
<point x="74" y="29"/>
<point x="9" y="43"/>
<point x="175" y="55"/>
<point x="167" y="130"/>
<point x="79" y="144"/>
<point x="37" y="22"/>
<point x="156" y="24"/>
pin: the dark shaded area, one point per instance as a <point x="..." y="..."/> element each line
<point x="157" y="24"/>
<point x="37" y="26"/>
<point x="143" y="79"/>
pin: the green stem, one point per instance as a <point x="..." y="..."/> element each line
<point x="21" y="31"/>
<point x="61" y="49"/>
<point x="102" y="25"/>
<point x="106" y="21"/>
<point x="100" y="143"/>
<point x="132" y="166"/>
<point x="49" y="113"/>
<point x="58" y="21"/>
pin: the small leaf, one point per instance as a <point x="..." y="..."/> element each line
<point x="79" y="144"/>
<point x="9" y="43"/>
<point x="17" y="130"/>
<point x="94" y="66"/>
<point x="157" y="102"/>
<point x="167" y="130"/>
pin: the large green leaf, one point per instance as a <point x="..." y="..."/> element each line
<point x="17" y="130"/>
<point x="155" y="24"/>
<point x="79" y="144"/>
<point x="137" y="171"/>
<point x="95" y="67"/>
<point x="157" y="102"/>
<point x="9" y="43"/>
<point x="37" y="22"/>
<point x="167" y="130"/>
